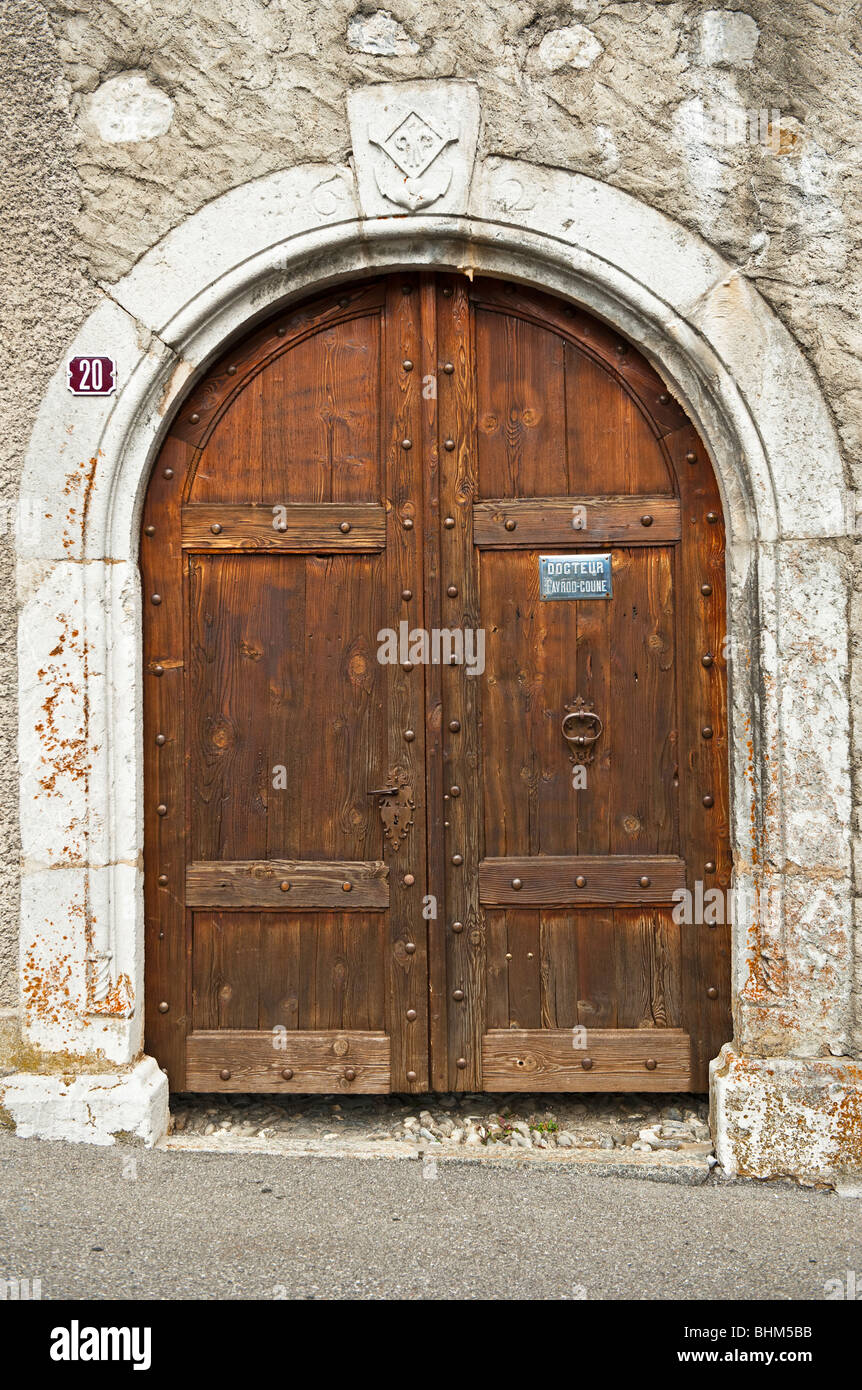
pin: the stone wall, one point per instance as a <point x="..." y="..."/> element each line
<point x="46" y="294"/>
<point x="125" y="119"/>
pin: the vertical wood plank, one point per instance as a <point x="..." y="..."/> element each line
<point x="497" y="969"/>
<point x="642" y="788"/>
<point x="161" y="563"/>
<point x="593" y="683"/>
<point x="286" y="722"/>
<point x="229" y="469"/>
<point x="465" y="949"/>
<point x="521" y="407"/>
<point x="280" y="977"/>
<point x="559" y="969"/>
<point x="207" y="970"/>
<point x="508" y="615"/>
<point x="342" y="730"/>
<point x="597" y="969"/>
<point x="635" y="963"/>
<point x="364" y="940"/>
<point x="226" y="969"/>
<point x="230" y="633"/>
<point x="703" y="762"/>
<point x="402" y="419"/>
<point x="525" y="994"/>
<point x="611" y="447"/>
<point x="432" y="604"/>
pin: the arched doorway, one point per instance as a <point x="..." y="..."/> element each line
<point x="376" y="855"/>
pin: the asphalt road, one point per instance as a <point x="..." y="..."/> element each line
<point x="126" y="1223"/>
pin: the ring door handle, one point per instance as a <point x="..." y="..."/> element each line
<point x="580" y="714"/>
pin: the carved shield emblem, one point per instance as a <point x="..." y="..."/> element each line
<point x="412" y="175"/>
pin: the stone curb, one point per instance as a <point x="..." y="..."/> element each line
<point x="686" y="1172"/>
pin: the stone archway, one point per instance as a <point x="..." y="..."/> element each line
<point x="743" y="382"/>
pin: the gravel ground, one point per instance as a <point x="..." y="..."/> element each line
<point x="471" y="1125"/>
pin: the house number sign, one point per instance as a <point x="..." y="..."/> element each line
<point x="92" y="376"/>
<point x="575" y="576"/>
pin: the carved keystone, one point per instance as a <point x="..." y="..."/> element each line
<point x="414" y="144"/>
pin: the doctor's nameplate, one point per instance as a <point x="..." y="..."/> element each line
<point x="575" y="576"/>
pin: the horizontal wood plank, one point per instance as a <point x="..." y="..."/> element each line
<point x="338" y="1060"/>
<point x="533" y="1059"/>
<point x="575" y="521"/>
<point x="307" y="526"/>
<point x="340" y="884"/>
<point x="552" y="880"/>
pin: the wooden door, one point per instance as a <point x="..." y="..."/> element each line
<point x="281" y="533"/>
<point x="406" y="452"/>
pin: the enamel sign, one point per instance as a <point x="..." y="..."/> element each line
<point x="575" y="576"/>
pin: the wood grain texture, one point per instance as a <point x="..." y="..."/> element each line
<point x="465" y="972"/>
<point x="308" y="526"/>
<point x="617" y="369"/>
<point x="166" y="925"/>
<point x="598" y="994"/>
<point x="340" y="884"/>
<point x="641" y="787"/>
<point x="534" y="1059"/>
<point x="274" y="716"/>
<point x="292" y="355"/>
<point x="432" y="604"/>
<point x="705" y="830"/>
<point x="308" y="971"/>
<point x="319" y="1061"/>
<point x="612" y="443"/>
<point x="342" y="972"/>
<point x="549" y="522"/>
<point x="551" y="879"/>
<point x="404" y="470"/>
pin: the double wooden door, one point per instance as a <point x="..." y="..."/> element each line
<point x="411" y="825"/>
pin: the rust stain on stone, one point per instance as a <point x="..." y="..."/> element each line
<point x="78" y="489"/>
<point x="118" y="1000"/>
<point x="47" y="988"/>
<point x="64" y="755"/>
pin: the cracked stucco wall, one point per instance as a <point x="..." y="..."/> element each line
<point x="46" y="294"/>
<point x="125" y="117"/>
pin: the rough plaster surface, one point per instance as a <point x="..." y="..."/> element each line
<point x="45" y="296"/>
<point x="258" y="87"/>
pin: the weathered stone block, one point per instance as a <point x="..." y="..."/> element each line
<point x="784" y="1117"/>
<point x="128" y="108"/>
<point x="89" y="1109"/>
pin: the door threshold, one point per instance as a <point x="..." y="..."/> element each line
<point x="662" y="1166"/>
<point x="661" y="1136"/>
